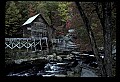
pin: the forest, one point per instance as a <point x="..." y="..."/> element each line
<point x="94" y="24"/>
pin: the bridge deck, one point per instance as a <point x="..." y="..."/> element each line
<point x="14" y="39"/>
<point x="28" y="43"/>
<point x="33" y="44"/>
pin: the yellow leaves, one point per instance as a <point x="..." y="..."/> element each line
<point x="63" y="10"/>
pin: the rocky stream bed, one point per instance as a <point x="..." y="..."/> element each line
<point x="72" y="65"/>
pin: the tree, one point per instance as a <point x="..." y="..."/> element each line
<point x="48" y="9"/>
<point x="78" y="25"/>
<point x="17" y="12"/>
<point x="106" y="13"/>
<point x="92" y="39"/>
<point x="64" y="11"/>
<point x="26" y="9"/>
<point x="23" y="9"/>
<point x="107" y="18"/>
<point x="107" y="38"/>
<point x="12" y="19"/>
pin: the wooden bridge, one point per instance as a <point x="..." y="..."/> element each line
<point x="28" y="43"/>
<point x="34" y="44"/>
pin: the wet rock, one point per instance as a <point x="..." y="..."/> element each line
<point x="75" y="53"/>
<point x="35" y="65"/>
<point x="59" y="58"/>
<point x="70" y="73"/>
<point x="72" y="64"/>
<point x="19" y="61"/>
<point x="93" y="64"/>
<point x="88" y="73"/>
<point x="60" y="75"/>
<point x="51" y="75"/>
<point x="54" y="57"/>
<point x="77" y="69"/>
<point x="69" y="56"/>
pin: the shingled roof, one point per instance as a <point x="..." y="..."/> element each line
<point x="31" y="19"/>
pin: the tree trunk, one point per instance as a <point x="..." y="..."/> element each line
<point x="92" y="39"/>
<point x="107" y="38"/>
<point x="99" y="13"/>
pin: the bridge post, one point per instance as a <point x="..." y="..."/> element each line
<point x="40" y="44"/>
<point x="27" y="45"/>
<point x="34" y="45"/>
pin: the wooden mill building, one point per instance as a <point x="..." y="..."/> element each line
<point x="37" y="27"/>
<point x="37" y="34"/>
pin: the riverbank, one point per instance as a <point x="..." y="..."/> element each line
<point x="70" y="65"/>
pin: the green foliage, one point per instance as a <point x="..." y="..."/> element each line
<point x="45" y="8"/>
<point x="17" y="12"/>
<point x="63" y="10"/>
<point x="41" y="7"/>
<point x="12" y="18"/>
<point x="54" y="10"/>
<point x="23" y="8"/>
<point x="82" y="34"/>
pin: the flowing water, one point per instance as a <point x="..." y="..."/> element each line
<point x="49" y="69"/>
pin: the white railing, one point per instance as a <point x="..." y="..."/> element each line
<point x="25" y="42"/>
